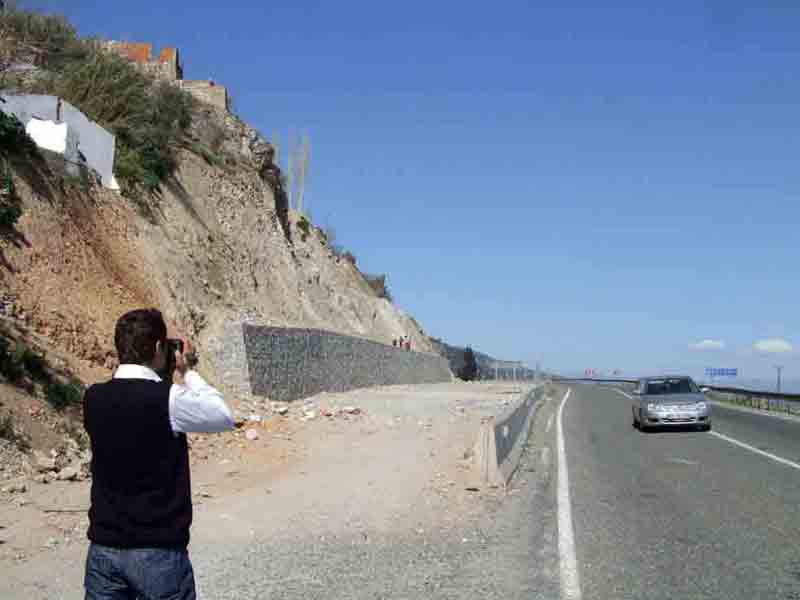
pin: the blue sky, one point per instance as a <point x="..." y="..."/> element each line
<point x="588" y="186"/>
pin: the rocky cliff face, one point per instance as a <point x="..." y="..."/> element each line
<point x="214" y="246"/>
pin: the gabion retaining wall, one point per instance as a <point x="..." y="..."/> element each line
<point x="288" y="364"/>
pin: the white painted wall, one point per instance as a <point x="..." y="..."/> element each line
<point x="82" y="137"/>
<point x="48" y="135"/>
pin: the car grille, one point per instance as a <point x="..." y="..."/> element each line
<point x="678" y="419"/>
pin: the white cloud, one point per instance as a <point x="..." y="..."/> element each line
<point x="708" y="345"/>
<point x="773" y="346"/>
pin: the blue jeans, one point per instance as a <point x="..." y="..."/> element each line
<point x="138" y="574"/>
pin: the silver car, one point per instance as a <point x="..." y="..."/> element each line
<point x="669" y="401"/>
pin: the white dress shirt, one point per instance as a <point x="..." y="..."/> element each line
<point x="193" y="407"/>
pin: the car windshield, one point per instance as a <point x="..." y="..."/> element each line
<point x="660" y="387"/>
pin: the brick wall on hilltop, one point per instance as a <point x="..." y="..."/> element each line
<point x="208" y="92"/>
<point x="167" y="67"/>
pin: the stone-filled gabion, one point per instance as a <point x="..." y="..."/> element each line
<point x="289" y="364"/>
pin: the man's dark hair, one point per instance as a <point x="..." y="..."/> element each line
<point x="136" y="334"/>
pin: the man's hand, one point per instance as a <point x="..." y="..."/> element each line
<point x="183" y="360"/>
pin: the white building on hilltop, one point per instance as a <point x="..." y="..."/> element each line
<point x="57" y="126"/>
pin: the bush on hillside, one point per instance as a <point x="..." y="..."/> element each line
<point x="10" y="433"/>
<point x="12" y="133"/>
<point x="63" y="395"/>
<point x="150" y="118"/>
<point x="17" y="360"/>
<point x="10" y="207"/>
<point x="10" y="367"/>
<point x="470" y="370"/>
<point x="379" y="286"/>
<point x="47" y="40"/>
<point x="304" y="226"/>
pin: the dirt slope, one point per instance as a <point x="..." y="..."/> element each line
<point x="209" y="249"/>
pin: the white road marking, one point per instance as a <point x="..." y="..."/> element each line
<point x="626" y="394"/>
<point x="570" y="581"/>
<point x="778" y="459"/>
<point x="549" y="424"/>
<point x="545" y="457"/>
<point x="682" y="461"/>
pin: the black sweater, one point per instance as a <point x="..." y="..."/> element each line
<point x="141" y="489"/>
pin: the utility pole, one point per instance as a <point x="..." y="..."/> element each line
<point x="779" y="369"/>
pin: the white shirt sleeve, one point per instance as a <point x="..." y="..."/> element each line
<point x="197" y="407"/>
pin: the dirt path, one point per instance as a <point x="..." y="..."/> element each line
<point x="398" y="465"/>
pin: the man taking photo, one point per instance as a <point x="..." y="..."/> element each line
<point x="141" y="500"/>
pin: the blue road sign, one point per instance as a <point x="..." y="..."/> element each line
<point x="712" y="372"/>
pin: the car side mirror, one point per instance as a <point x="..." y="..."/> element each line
<point x="705" y="390"/>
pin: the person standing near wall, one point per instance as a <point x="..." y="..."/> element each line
<point x="141" y="499"/>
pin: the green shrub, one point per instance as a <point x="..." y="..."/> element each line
<point x="207" y="154"/>
<point x="79" y="182"/>
<point x="11" y="140"/>
<point x="52" y="39"/>
<point x="63" y="395"/>
<point x="10" y="433"/>
<point x="32" y="362"/>
<point x="304" y="226"/>
<point x="379" y="286"/>
<point x="149" y="118"/>
<point x="17" y="360"/>
<point x="10" y="212"/>
<point x="470" y="370"/>
<point x="10" y="366"/>
<point x="7" y="431"/>
<point x="12" y="132"/>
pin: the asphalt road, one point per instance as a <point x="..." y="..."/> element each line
<point x="681" y="514"/>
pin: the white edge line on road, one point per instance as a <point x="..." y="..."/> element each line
<point x="783" y="461"/>
<point x="627" y="395"/>
<point x="549" y="424"/>
<point x="570" y="581"/>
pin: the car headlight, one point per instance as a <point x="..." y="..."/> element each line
<point x="653" y="406"/>
<point x="700" y="406"/>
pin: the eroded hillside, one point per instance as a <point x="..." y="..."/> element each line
<point x="212" y="246"/>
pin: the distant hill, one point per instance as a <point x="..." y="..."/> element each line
<point x="486" y="370"/>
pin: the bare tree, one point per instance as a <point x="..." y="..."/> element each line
<point x="298" y="160"/>
<point x="276" y="144"/>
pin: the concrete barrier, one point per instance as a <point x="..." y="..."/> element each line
<point x="502" y="438"/>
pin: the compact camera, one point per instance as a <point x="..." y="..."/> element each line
<point x="173" y="346"/>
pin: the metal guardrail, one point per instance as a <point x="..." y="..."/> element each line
<point x="763" y="400"/>
<point x="754" y="393"/>
<point x="769" y="401"/>
<point x="591" y="380"/>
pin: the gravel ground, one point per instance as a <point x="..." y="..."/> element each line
<point x="12" y="461"/>
<point x="505" y="550"/>
<point x="379" y="509"/>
